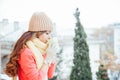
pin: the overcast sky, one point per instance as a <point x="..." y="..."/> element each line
<point x="93" y="13"/>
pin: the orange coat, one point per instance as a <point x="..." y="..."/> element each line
<point x="27" y="67"/>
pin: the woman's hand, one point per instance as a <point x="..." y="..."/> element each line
<point x="52" y="50"/>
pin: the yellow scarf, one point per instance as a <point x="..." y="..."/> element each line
<point x="38" y="48"/>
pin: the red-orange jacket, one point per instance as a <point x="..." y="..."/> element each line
<point x="27" y="67"/>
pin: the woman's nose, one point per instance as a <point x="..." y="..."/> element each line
<point x="49" y="37"/>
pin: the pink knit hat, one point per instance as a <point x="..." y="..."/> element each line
<point x="40" y="22"/>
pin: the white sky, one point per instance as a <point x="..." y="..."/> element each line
<point x="93" y="13"/>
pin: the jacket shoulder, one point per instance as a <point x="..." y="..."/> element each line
<point x="26" y="51"/>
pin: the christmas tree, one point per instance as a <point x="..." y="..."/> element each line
<point x="81" y="69"/>
<point x="102" y="73"/>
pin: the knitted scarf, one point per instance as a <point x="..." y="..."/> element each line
<point x="38" y="48"/>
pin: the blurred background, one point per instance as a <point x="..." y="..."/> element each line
<point x="100" y="20"/>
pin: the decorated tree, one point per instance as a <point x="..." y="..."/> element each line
<point x="109" y="66"/>
<point x="102" y="73"/>
<point x="81" y="69"/>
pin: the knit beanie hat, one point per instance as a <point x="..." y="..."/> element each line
<point x="40" y="22"/>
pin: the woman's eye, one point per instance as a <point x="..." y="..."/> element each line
<point x="47" y="33"/>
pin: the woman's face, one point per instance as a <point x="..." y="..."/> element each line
<point x="45" y="36"/>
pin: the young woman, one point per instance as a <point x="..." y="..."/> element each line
<point x="33" y="56"/>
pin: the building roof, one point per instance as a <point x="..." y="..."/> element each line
<point x="12" y="36"/>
